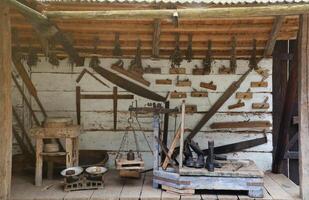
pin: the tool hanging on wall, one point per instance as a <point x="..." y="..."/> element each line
<point x="136" y="64"/>
<point x="190" y="109"/>
<point x="94" y="60"/>
<point x="114" y="96"/>
<point x="117" y="51"/>
<point x="210" y="85"/>
<point x="178" y="95"/>
<point x="176" y="57"/>
<point x="152" y="70"/>
<point x="163" y="81"/>
<point x="183" y="83"/>
<point x="222" y="99"/>
<point x="261" y="83"/>
<point x="253" y="60"/>
<point x="244" y="95"/>
<point x="207" y="61"/>
<point x="263" y="105"/>
<point x="189" y="52"/>
<point x="196" y="93"/>
<point x="118" y="66"/>
<point x="239" y="104"/>
<point x="135" y="69"/>
<point x="129" y="85"/>
<point x="52" y="56"/>
<point x="233" y="63"/>
<point x="32" y="57"/>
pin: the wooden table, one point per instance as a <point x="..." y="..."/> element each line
<point x="71" y="136"/>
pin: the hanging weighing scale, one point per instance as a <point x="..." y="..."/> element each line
<point x="130" y="164"/>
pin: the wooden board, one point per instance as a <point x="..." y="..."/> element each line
<point x="275" y="190"/>
<point x="249" y="124"/>
<point x="132" y="189"/>
<point x="178" y="191"/>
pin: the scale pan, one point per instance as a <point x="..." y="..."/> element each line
<point x="72" y="171"/>
<point x="96" y="170"/>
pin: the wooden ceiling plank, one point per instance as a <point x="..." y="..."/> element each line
<point x="156" y="38"/>
<point x="278" y="22"/>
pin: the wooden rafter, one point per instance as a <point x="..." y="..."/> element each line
<point x="190" y="13"/>
<point x="156" y="38"/>
<point x="270" y="45"/>
<point x="47" y="29"/>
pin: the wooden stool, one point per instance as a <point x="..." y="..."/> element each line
<point x="69" y="133"/>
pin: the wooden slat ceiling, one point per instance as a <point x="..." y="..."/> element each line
<point x="219" y="31"/>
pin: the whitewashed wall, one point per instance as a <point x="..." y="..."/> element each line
<point x="56" y="89"/>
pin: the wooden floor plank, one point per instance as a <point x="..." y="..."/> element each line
<point x="113" y="186"/>
<point x="24" y="189"/>
<point x="275" y="189"/>
<point x="148" y="192"/>
<point x="209" y="196"/>
<point x="79" y="195"/>
<point x="227" y="197"/>
<point x="191" y="197"/>
<point x="132" y="188"/>
<point x="170" y="196"/>
<point x="286" y="184"/>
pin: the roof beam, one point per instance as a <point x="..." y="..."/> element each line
<point x="156" y="38"/>
<point x="270" y="45"/>
<point x="47" y="29"/>
<point x="189" y="13"/>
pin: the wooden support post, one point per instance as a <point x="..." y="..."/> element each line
<point x="287" y="116"/>
<point x="303" y="103"/>
<point x="5" y="104"/>
<point x="156" y="38"/>
<point x="78" y="104"/>
<point x="115" y="106"/>
<point x="279" y="85"/>
<point x="273" y="36"/>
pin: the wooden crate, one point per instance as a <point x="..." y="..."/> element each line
<point x="124" y="164"/>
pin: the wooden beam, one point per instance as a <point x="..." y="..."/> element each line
<point x="189" y="13"/>
<point x="5" y="104"/>
<point x="47" y="29"/>
<point x="287" y="115"/>
<point x="156" y="38"/>
<point x="303" y="105"/>
<point x="270" y="45"/>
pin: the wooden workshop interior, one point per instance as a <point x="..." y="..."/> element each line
<point x="151" y="100"/>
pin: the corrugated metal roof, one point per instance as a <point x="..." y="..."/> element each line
<point x="189" y="1"/>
